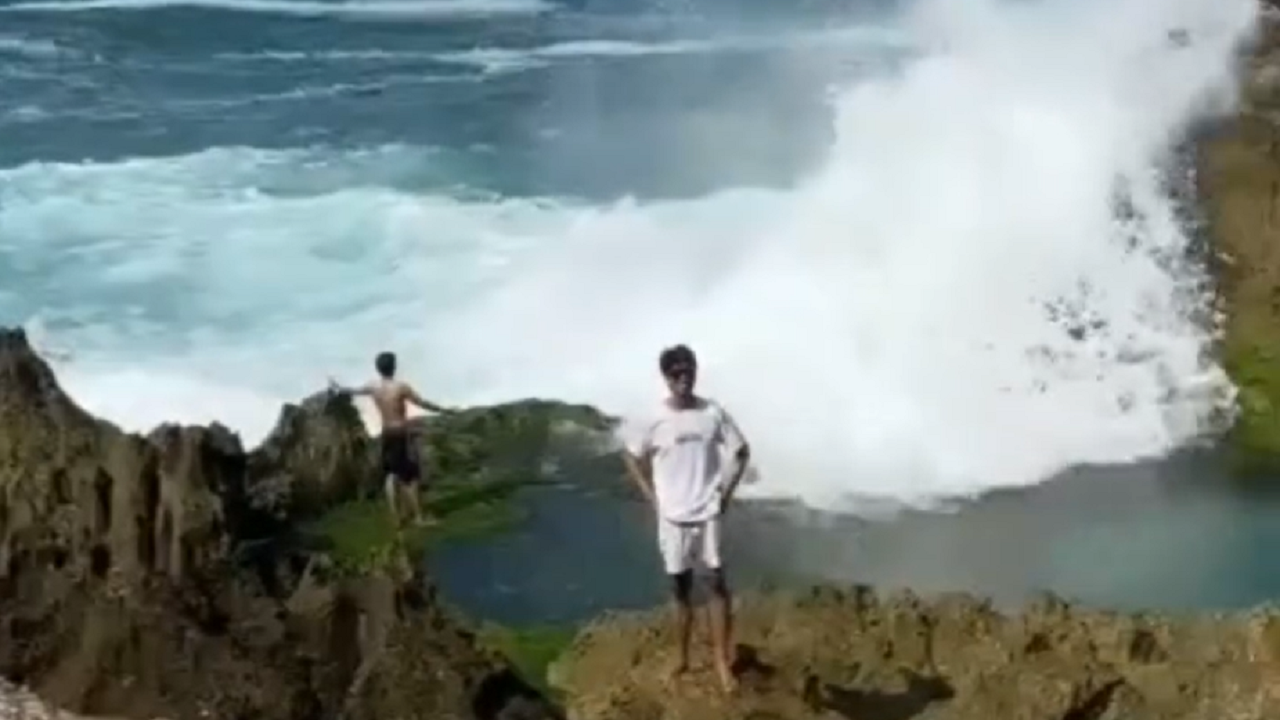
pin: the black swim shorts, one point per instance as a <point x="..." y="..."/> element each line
<point x="398" y="458"/>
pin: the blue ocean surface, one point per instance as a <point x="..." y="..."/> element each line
<point x="217" y="203"/>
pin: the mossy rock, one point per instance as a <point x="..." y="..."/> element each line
<point x="516" y="437"/>
<point x="359" y="536"/>
<point x="1254" y="440"/>
<point x="475" y="462"/>
<point x="1238" y="173"/>
<point x="532" y="649"/>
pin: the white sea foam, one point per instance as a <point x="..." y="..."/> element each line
<point x="501" y="59"/>
<point x="31" y="48"/>
<point x="881" y="330"/>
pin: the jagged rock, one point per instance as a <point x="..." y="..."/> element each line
<point x="195" y="472"/>
<point x="314" y="458"/>
<point x="160" y="577"/>
<point x="851" y="654"/>
<point x="513" y="438"/>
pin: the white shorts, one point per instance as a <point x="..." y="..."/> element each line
<point x="689" y="546"/>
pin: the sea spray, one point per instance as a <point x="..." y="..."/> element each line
<point x="949" y="302"/>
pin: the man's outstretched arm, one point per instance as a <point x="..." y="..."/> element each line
<point x="357" y="391"/>
<point x="412" y="396"/>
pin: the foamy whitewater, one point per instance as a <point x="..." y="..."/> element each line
<point x="945" y="303"/>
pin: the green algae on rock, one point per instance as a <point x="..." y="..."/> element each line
<point x="1238" y="175"/>
<point x="532" y="649"/>
<point x="359" y="536"/>
<point x="522" y="440"/>
<point x="475" y="463"/>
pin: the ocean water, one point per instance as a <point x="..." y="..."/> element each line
<point x="924" y="249"/>
<point x="1172" y="536"/>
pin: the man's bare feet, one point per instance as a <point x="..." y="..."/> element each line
<point x="728" y="681"/>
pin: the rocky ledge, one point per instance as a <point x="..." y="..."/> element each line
<point x="170" y="576"/>
<point x="850" y="655"/>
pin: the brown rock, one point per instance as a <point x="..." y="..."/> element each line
<point x="837" y="654"/>
<point x="315" y="457"/>
<point x="1238" y="175"/>
<point x="162" y="576"/>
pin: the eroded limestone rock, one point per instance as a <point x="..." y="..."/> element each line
<point x="162" y="576"/>
<point x="853" y="654"/>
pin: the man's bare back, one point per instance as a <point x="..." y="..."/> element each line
<point x="392" y="398"/>
<point x="399" y="459"/>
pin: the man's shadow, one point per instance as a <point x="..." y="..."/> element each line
<point x="855" y="704"/>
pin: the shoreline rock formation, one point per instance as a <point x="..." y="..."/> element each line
<point x="851" y="655"/>
<point x="1238" y="176"/>
<point x="169" y="576"/>
<point x="164" y="576"/>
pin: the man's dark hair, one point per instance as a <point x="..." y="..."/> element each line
<point x="676" y="356"/>
<point x="385" y="364"/>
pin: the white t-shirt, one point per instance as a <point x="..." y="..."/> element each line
<point x="685" y="446"/>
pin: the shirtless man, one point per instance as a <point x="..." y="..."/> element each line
<point x="676" y="462"/>
<point x="399" y="462"/>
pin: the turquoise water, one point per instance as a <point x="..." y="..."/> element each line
<point x="1174" y="536"/>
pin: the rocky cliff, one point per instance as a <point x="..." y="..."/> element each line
<point x="1239" y="179"/>
<point x="166" y="575"/>
<point x="833" y="655"/>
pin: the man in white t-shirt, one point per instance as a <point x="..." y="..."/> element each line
<point x="675" y="460"/>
